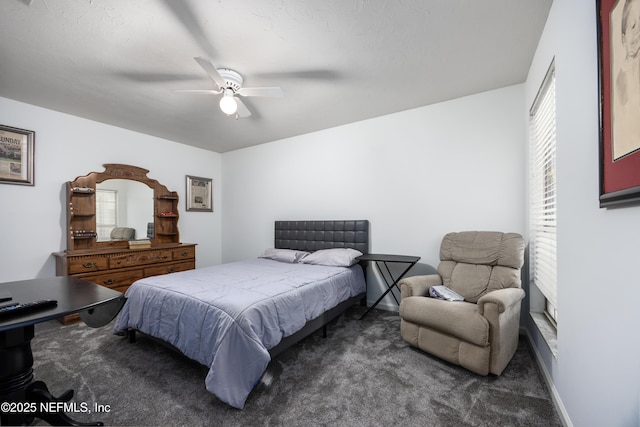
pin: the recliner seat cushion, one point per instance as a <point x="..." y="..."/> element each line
<point x="460" y="319"/>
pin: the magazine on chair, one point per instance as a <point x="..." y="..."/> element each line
<point x="442" y="292"/>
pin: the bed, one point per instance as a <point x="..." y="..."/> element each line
<point x="234" y="317"/>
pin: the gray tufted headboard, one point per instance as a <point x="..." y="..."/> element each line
<point x="313" y="235"/>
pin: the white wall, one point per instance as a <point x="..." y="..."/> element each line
<point x="415" y="175"/>
<point x="597" y="374"/>
<point x="34" y="218"/>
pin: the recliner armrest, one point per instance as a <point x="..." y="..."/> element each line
<point x="503" y="298"/>
<point x="418" y="285"/>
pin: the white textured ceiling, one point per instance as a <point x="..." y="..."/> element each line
<point x="338" y="61"/>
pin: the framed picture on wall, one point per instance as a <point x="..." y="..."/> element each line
<point x="199" y="194"/>
<point x="619" y="69"/>
<point x="16" y="155"/>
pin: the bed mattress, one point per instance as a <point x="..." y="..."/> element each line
<point x="228" y="316"/>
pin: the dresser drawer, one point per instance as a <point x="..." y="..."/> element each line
<point x="79" y="265"/>
<point x="133" y="259"/>
<point x="158" y="270"/>
<point x="184" y="253"/>
<point x="118" y="281"/>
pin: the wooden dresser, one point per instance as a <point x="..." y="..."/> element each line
<point x="118" y="268"/>
<point x="113" y="263"/>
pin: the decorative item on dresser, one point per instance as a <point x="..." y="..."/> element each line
<point x="115" y="263"/>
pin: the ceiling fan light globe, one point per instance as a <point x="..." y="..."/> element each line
<point x="228" y="105"/>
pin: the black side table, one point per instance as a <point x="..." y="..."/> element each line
<point x="383" y="260"/>
<point x="23" y="398"/>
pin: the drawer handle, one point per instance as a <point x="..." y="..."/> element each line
<point x="171" y="270"/>
<point x="185" y="253"/>
<point x="89" y="264"/>
<point x="109" y="282"/>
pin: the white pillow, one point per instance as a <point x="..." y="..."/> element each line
<point x="337" y="257"/>
<point x="284" y="255"/>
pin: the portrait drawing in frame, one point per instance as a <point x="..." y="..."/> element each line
<point x="619" y="69"/>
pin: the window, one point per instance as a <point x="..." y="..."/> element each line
<point x="542" y="120"/>
<point x="106" y="213"/>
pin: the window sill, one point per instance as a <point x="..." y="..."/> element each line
<point x="548" y="332"/>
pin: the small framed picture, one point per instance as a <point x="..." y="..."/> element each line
<point x="16" y="155"/>
<point x="199" y="194"/>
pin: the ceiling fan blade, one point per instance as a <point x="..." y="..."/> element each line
<point x="317" y="74"/>
<point x="191" y="24"/>
<point x="211" y="71"/>
<point x="154" y="77"/>
<point x="203" y="91"/>
<point x="274" y="92"/>
<point x="243" y="111"/>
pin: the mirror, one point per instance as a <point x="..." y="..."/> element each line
<point x="141" y="202"/>
<point x="129" y="203"/>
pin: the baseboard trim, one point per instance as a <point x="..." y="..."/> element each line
<point x="555" y="397"/>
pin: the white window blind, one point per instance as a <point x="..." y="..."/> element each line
<point x="543" y="188"/>
<point x="106" y="213"/>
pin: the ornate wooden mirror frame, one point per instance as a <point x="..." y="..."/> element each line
<point x="81" y="209"/>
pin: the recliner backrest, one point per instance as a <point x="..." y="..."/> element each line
<point x="473" y="263"/>
<point x="123" y="233"/>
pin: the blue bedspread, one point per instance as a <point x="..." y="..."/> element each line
<point x="228" y="316"/>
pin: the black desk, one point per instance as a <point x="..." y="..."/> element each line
<point x="383" y="260"/>
<point x="95" y="303"/>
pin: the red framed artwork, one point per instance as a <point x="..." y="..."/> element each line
<point x="619" y="63"/>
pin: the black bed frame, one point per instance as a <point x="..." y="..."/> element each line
<point x="311" y="236"/>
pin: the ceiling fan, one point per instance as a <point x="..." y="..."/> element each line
<point x="229" y="84"/>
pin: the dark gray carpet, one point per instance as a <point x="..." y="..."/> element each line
<point x="363" y="374"/>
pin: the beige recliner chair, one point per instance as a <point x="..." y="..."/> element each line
<point x="123" y="233"/>
<point x="481" y="332"/>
